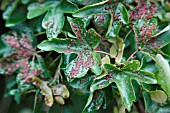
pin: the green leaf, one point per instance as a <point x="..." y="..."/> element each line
<point x="17" y="16"/>
<point x="102" y="7"/>
<point x="90" y="38"/>
<point x="67" y="7"/>
<point x="42" y="65"/>
<point x="82" y="82"/>
<point x="163" y="75"/>
<point x="163" y="39"/>
<point x="137" y="88"/>
<point x="134" y="65"/>
<point x="124" y="15"/>
<point x="53" y="22"/>
<point x="25" y="1"/>
<point x="94" y="102"/>
<point x="162" y="31"/>
<point x="113" y="30"/>
<point x="101" y="83"/>
<point x="123" y="81"/>
<point x="96" y="66"/>
<point x="86" y="20"/>
<point x="9" y="10"/>
<point x="147" y="66"/>
<point x="152" y="106"/>
<point x="36" y="9"/>
<point x="147" y="100"/>
<point x="36" y="24"/>
<point x="101" y="22"/>
<point x="60" y="45"/>
<point x="94" y="38"/>
<point x="17" y="97"/>
<point x="80" y="66"/>
<point x="166" y="49"/>
<point x="86" y="2"/>
<point x="67" y="58"/>
<point x="4" y="48"/>
<point x="54" y="19"/>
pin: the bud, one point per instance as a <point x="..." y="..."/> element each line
<point x="59" y="100"/>
<point x="61" y="90"/>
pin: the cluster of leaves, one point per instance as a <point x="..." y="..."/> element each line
<point x="116" y="51"/>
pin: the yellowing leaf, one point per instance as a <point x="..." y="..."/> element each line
<point x="105" y="60"/>
<point x="59" y="100"/>
<point x="61" y="90"/>
<point x="45" y="90"/>
<point x="117" y="48"/>
<point x="158" y="96"/>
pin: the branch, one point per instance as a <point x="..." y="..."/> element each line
<point x="105" y="53"/>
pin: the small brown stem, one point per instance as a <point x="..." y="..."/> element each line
<point x="57" y="74"/>
<point x="105" y="53"/>
<point x="30" y="91"/>
<point x="164" y="54"/>
<point x="38" y="34"/>
<point x="127" y="5"/>
<point x="38" y="52"/>
<point x="54" y="61"/>
<point x="140" y="107"/>
<point x="131" y="56"/>
<point x="127" y="35"/>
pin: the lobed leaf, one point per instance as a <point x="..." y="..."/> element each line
<point x="94" y="102"/>
<point x="123" y="78"/>
<point x="80" y="66"/>
<point x="61" y="45"/>
<point x="102" y="7"/>
<point x="36" y="9"/>
<point x="53" y="22"/>
<point x="90" y="38"/>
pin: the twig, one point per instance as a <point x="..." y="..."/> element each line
<point x="38" y="34"/>
<point x="131" y="56"/>
<point x="33" y="59"/>
<point x="54" y="61"/>
<point x="57" y="74"/>
<point x="127" y="5"/>
<point x="38" y="52"/>
<point x="49" y="53"/>
<point x="140" y="107"/>
<point x="127" y="35"/>
<point x="30" y="91"/>
<point x="105" y="53"/>
<point x="164" y="54"/>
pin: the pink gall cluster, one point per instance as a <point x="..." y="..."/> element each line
<point x="23" y="51"/>
<point x="143" y="10"/>
<point x="82" y="64"/>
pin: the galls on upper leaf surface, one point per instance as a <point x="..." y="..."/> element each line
<point x="87" y="55"/>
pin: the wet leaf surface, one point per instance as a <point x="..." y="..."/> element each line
<point x="163" y="75"/>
